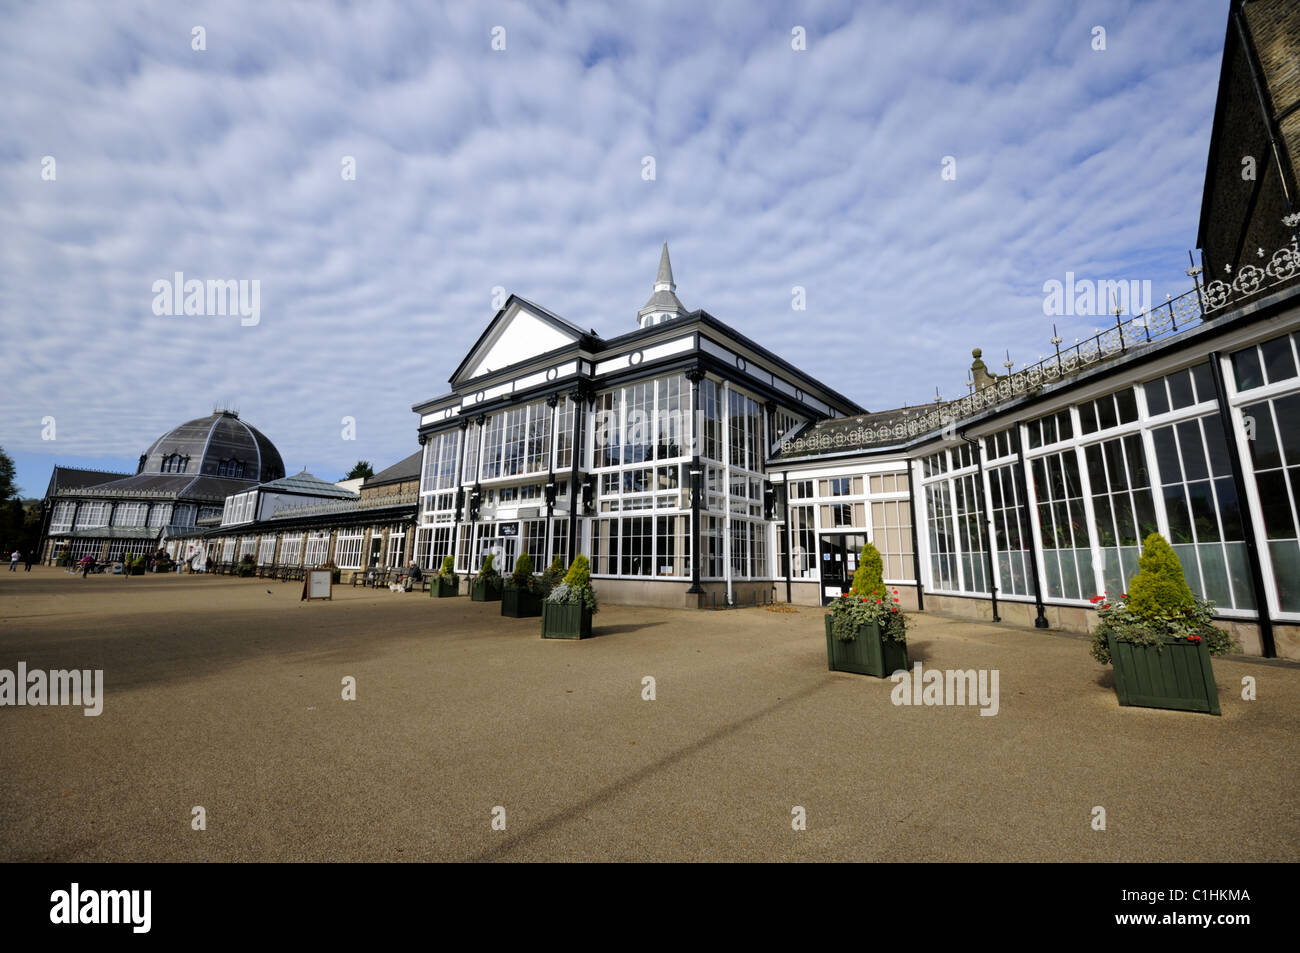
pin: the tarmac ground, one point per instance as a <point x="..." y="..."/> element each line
<point x="226" y="694"/>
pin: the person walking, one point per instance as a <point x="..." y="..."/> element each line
<point x="31" y="556"/>
<point x="13" y="560"/>
<point x="86" y="562"/>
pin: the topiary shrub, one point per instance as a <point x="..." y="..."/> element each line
<point x="1158" y="605"/>
<point x="869" y="578"/>
<point x="522" y="578"/>
<point x="576" y="588"/>
<point x="448" y="566"/>
<point x="488" y="570"/>
<point x="1159" y="592"/>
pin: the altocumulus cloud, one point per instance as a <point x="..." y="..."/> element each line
<point x="522" y="168"/>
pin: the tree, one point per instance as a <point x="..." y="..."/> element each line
<point x="869" y="580"/>
<point x="7" y="473"/>
<point x="362" y="469"/>
<point x="1159" y="591"/>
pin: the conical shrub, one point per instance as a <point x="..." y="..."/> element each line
<point x="1159" y="592"/>
<point x="869" y="577"/>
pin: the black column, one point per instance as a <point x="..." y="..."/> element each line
<point x="695" y="375"/>
<point x="1040" y="621"/>
<point x="1247" y="524"/>
<point x="916" y="549"/>
<point x="578" y="396"/>
<point x="551" y="403"/>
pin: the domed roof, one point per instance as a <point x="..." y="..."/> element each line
<point x="220" y="445"/>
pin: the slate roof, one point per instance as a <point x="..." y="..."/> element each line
<point x="407" y="468"/>
<point x="209" y="440"/>
<point x="74" y="478"/>
<point x="307" y="483"/>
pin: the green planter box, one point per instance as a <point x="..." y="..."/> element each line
<point x="480" y="591"/>
<point x="520" y="604"/>
<point x="1177" y="675"/>
<point x="565" y="621"/>
<point x="441" y="587"/>
<point x="868" y="654"/>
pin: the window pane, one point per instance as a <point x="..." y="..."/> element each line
<point x="1157" y="399"/>
<point x="1246" y="370"/>
<point x="1279" y="363"/>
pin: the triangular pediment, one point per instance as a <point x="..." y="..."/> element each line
<point x="517" y="334"/>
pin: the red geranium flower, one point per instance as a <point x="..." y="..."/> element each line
<point x="895" y="609"/>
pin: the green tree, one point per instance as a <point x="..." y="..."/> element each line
<point x="8" y="489"/>
<point x="1159" y="591"/>
<point x="362" y="469"/>
<point x="579" y="573"/>
<point x="869" y="578"/>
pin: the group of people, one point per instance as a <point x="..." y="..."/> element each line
<point x="14" y="558"/>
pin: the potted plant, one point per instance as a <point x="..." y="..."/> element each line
<point x="521" y="598"/>
<point x="63" y="559"/>
<point x="486" y="586"/>
<point x="445" y="582"/>
<point x="567" y="611"/>
<point x="246" y="566"/>
<point x="1159" y="636"/>
<point x="866" y="632"/>
<point x="336" y="574"/>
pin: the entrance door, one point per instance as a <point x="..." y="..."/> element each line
<point x="376" y="550"/>
<point x="838" y="559"/>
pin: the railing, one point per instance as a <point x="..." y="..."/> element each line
<point x="344" y="506"/>
<point x="1168" y="320"/>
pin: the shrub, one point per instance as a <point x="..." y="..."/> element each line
<point x="522" y="577"/>
<point x="1159" y="606"/>
<point x="869" y="578"/>
<point x="576" y="589"/>
<point x="853" y="609"/>
<point x="488" y="571"/>
<point x="1159" y="591"/>
<point x="551" y="578"/>
<point x="448" y="566"/>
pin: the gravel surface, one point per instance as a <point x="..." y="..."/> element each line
<point x="223" y="695"/>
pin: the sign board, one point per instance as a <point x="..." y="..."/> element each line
<point x="318" y="584"/>
<point x="508" y="529"/>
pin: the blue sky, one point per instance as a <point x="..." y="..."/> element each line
<point x="522" y="168"/>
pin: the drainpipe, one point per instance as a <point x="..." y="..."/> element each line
<point x="986" y="521"/>
<point x="1040" y="622"/>
<point x="1247" y="524"/>
<point x="916" y="548"/>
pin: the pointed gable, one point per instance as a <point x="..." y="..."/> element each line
<point x="520" y="331"/>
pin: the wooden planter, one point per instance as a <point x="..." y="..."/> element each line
<point x="481" y="591"/>
<point x="867" y="654"/>
<point x="520" y="603"/>
<point x="443" y="587"/>
<point x="1175" y="675"/>
<point x="565" y="621"/>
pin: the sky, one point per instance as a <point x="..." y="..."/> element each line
<point x="919" y="169"/>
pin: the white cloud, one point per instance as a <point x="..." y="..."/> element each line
<point x="522" y="169"/>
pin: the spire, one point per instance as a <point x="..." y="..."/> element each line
<point x="663" y="304"/>
<point x="664" y="280"/>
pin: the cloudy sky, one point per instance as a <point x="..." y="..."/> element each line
<point x="524" y="168"/>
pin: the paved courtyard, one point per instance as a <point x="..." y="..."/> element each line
<point x="223" y="695"/>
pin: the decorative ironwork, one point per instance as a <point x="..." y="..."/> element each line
<point x="345" y="506"/>
<point x="1172" y="318"/>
